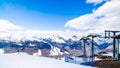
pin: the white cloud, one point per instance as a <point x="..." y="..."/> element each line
<point x="94" y="1"/>
<point x="16" y="33"/>
<point x="6" y="25"/>
<point x="106" y="17"/>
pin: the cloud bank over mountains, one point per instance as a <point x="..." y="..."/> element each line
<point x="9" y="30"/>
<point x="106" y="17"/>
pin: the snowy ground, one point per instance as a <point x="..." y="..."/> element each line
<point x="24" y="60"/>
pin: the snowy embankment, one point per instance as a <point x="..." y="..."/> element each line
<point x="23" y="60"/>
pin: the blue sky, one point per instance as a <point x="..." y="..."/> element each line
<point x="43" y="14"/>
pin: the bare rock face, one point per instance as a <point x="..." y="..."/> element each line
<point x="30" y="51"/>
<point x="45" y="52"/>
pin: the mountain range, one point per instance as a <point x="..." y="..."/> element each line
<point x="47" y="43"/>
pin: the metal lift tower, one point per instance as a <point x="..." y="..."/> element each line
<point x="111" y="34"/>
<point x="93" y="35"/>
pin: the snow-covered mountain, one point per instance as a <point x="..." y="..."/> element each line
<point x="16" y="39"/>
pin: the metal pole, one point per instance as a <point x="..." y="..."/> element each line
<point x="84" y="48"/>
<point x="114" y="45"/>
<point x="92" y="48"/>
<point x="108" y="35"/>
<point x="118" y="48"/>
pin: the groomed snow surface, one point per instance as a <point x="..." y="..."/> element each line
<point x="23" y="60"/>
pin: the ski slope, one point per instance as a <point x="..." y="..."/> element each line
<point x="23" y="60"/>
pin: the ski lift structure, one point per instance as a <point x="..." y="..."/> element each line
<point x="86" y="59"/>
<point x="84" y="39"/>
<point x="115" y="36"/>
<point x="89" y="37"/>
<point x="109" y="34"/>
<point x="92" y="36"/>
<point x="117" y="47"/>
